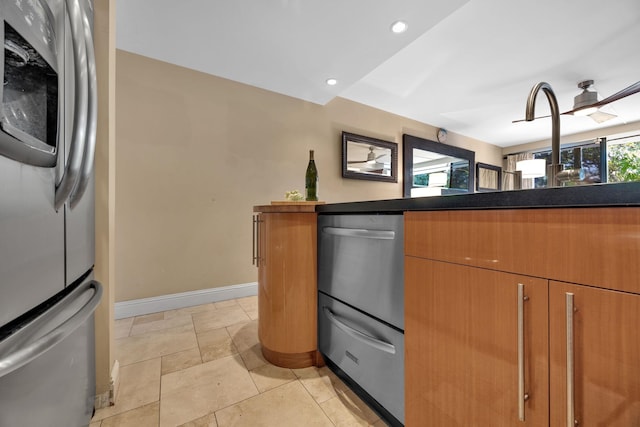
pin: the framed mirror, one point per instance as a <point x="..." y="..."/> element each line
<point x="488" y="177"/>
<point x="369" y="158"/>
<point x="435" y="169"/>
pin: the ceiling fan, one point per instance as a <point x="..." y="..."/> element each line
<point x="587" y="104"/>
<point x="371" y="157"/>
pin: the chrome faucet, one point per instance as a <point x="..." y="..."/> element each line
<point x="555" y="168"/>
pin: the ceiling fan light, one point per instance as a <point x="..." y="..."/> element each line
<point x="585" y="111"/>
<point x="601" y="117"/>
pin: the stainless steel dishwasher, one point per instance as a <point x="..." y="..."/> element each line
<point x="361" y="306"/>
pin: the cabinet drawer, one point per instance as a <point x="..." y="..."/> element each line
<point x="368" y="351"/>
<point x="595" y="246"/>
<point x="360" y="262"/>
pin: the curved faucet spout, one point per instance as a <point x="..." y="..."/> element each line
<point x="555" y="167"/>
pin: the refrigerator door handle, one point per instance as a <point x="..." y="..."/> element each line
<point x="76" y="151"/>
<point x="25" y="354"/>
<point x="92" y="120"/>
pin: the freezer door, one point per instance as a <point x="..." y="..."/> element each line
<point x="31" y="238"/>
<point x="47" y="368"/>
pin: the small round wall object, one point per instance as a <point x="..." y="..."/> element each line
<point x="442" y="135"/>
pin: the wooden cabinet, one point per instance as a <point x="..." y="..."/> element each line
<point x="461" y="346"/>
<point x="462" y="329"/>
<point x="606" y="356"/>
<point x="285" y="254"/>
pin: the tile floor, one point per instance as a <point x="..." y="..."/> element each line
<point x="202" y="366"/>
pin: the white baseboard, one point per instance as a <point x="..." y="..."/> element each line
<point x="142" y="306"/>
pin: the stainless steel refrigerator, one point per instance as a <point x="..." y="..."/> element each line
<point x="47" y="140"/>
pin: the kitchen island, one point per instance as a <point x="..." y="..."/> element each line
<point x="521" y="307"/>
<point x="623" y="194"/>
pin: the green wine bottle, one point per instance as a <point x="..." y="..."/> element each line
<point x="311" y="180"/>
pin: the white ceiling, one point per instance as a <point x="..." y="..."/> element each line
<point x="465" y="65"/>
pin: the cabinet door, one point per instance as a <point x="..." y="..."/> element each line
<point x="604" y="337"/>
<point x="461" y="346"/>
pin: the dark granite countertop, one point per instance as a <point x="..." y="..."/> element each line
<point x="597" y="195"/>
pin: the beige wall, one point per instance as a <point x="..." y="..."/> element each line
<point x="196" y="152"/>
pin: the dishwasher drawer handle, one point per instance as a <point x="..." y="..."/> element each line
<point x="24" y="355"/>
<point x="371" y="341"/>
<point x="361" y="233"/>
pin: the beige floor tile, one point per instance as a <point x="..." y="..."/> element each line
<point x="214" y="344"/>
<point x="160" y="323"/>
<point x="250" y="306"/>
<point x="95" y="424"/>
<point x="226" y="303"/>
<point x="139" y="386"/>
<point x="245" y="338"/>
<point x="122" y="327"/>
<point x="286" y="406"/>
<point x="253" y="357"/>
<point x="244" y="335"/>
<point x="269" y="376"/>
<point x="346" y="410"/>
<point x="181" y="360"/>
<point x="145" y="416"/>
<point x="219" y="318"/>
<point x="189" y="310"/>
<point x="253" y="315"/>
<point x="380" y="423"/>
<point x="202" y="389"/>
<point x="153" y="317"/>
<point x="154" y="344"/>
<point x="206" y="421"/>
<point x="248" y="303"/>
<point x="321" y="383"/>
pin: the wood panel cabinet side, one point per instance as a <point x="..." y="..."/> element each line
<point x="287" y="289"/>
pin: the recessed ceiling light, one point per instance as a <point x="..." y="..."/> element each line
<point x="399" y="27"/>
<point x="332" y="82"/>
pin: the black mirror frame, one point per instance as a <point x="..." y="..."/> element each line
<point x="498" y="169"/>
<point x="409" y="142"/>
<point x="346" y="173"/>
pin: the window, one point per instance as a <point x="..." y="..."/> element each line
<point x="612" y="159"/>
<point x="623" y="159"/>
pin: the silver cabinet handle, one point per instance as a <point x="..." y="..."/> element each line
<point x="360" y="232"/>
<point x="371" y="341"/>
<point x="25" y="354"/>
<point x="254" y="250"/>
<point x="520" y="351"/>
<point x="76" y="151"/>
<point x="570" y="373"/>
<point x="256" y="240"/>
<point x="92" y="117"/>
<point x="522" y="395"/>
